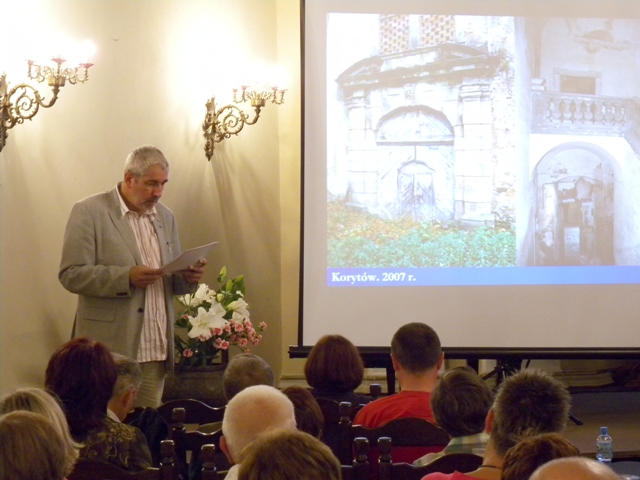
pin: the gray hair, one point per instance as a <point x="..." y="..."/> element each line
<point x="129" y="374"/>
<point x="143" y="158"/>
<point x="254" y="411"/>
<point x="244" y="371"/>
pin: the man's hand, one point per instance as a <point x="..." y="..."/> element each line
<point x="195" y="272"/>
<point x="142" y="276"/>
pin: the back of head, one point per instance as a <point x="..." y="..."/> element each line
<point x="525" y="457"/>
<point x="528" y="403"/>
<point x="253" y="411"/>
<point x="416" y="346"/>
<point x="574" y="468"/>
<point x="32" y="448"/>
<point x="143" y="158"/>
<point x="244" y="371"/>
<point x="129" y="374"/>
<point x="82" y="374"/>
<point x="39" y="401"/>
<point x="288" y="455"/>
<point x="460" y="402"/>
<point x="309" y="417"/>
<point x="334" y="363"/>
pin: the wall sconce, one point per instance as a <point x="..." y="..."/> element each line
<point x="230" y="119"/>
<point x="23" y="101"/>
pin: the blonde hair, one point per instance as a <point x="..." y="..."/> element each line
<point x="32" y="448"/>
<point x="42" y="402"/>
<point x="285" y="454"/>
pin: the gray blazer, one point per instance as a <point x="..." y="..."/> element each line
<point x="98" y="251"/>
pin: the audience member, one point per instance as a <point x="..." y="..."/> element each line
<point x="285" y="454"/>
<point x="251" y="412"/>
<point x="416" y="356"/>
<point x="522" y="459"/>
<point x="126" y="389"/>
<point x="244" y="371"/>
<point x="574" y="468"/>
<point x="460" y="403"/>
<point x="32" y="448"/>
<point x="334" y="369"/>
<point x="39" y="401"/>
<point x="527" y="403"/>
<point x="82" y="374"/>
<point x="309" y="417"/>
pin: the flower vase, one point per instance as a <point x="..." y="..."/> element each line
<point x="199" y="383"/>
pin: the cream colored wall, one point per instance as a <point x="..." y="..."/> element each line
<point x="157" y="63"/>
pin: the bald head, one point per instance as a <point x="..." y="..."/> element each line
<point x="574" y="468"/>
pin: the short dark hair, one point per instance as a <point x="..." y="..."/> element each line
<point x="82" y="374"/>
<point x="526" y="456"/>
<point x="309" y="417"/>
<point x="528" y="403"/>
<point x="245" y="370"/>
<point x="283" y="454"/>
<point x="460" y="402"/>
<point x="416" y="347"/>
<point x="334" y="363"/>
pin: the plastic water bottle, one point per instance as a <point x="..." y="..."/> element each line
<point x="604" y="446"/>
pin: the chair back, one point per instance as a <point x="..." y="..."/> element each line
<point x="189" y="444"/>
<point x="359" y="468"/>
<point x="337" y="424"/>
<point x="412" y="438"/>
<point x="86" y="469"/>
<point x="387" y="470"/>
<point x="196" y="412"/>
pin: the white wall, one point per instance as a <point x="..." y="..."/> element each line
<point x="158" y="61"/>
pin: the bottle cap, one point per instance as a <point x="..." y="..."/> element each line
<point x="604" y="431"/>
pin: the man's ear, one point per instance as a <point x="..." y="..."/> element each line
<point x="225" y="449"/>
<point x="441" y="362"/>
<point x="488" y="423"/>
<point x="394" y="362"/>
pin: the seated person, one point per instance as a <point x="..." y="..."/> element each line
<point x="148" y="419"/>
<point x="126" y="389"/>
<point x="82" y="374"/>
<point x="32" y="448"/>
<point x="574" y="468"/>
<point x="334" y="369"/>
<point x="285" y="454"/>
<point x="528" y="403"/>
<point x="39" y="401"/>
<point x="308" y="414"/>
<point x="245" y="371"/>
<point x="251" y="412"/>
<point x="526" y="456"/>
<point x="460" y="403"/>
<point x="417" y="357"/>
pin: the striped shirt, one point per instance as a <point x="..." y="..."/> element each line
<point x="153" y="338"/>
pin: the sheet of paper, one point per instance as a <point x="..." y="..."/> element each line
<point x="188" y="257"/>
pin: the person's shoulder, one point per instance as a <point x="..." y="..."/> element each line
<point x="124" y="431"/>
<point x="445" y="476"/>
<point x="99" y="199"/>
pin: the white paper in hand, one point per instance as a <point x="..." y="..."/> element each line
<point x="188" y="257"/>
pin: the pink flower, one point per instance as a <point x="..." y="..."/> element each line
<point x="217" y="331"/>
<point x="202" y="338"/>
<point x="224" y="345"/>
<point x="187" y="353"/>
<point x="263" y="325"/>
<point x="243" y="342"/>
<point x="239" y="327"/>
<point x="227" y="328"/>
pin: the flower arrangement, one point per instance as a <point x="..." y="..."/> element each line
<point x="215" y="320"/>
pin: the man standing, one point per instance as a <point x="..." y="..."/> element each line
<point x="114" y="246"/>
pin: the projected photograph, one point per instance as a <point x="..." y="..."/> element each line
<point x="474" y="141"/>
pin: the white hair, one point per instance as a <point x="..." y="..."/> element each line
<point x="253" y="411"/>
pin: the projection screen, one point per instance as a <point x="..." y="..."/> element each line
<point x="473" y="165"/>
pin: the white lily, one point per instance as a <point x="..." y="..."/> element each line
<point x="203" y="294"/>
<point x="240" y="307"/>
<point x="204" y="321"/>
